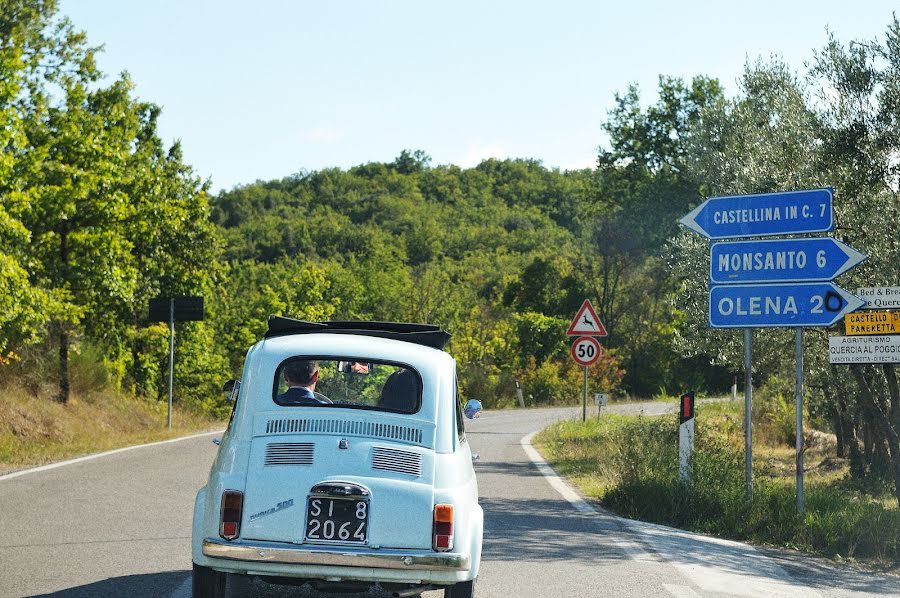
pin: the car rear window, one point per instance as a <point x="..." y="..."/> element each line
<point x="347" y="382"/>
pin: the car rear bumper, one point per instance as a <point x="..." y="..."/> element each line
<point x="257" y="551"/>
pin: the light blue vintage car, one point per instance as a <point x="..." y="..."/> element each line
<point x="345" y="465"/>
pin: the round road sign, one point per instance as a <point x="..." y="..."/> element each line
<point x="585" y="350"/>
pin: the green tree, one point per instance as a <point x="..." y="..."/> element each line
<point x="780" y="135"/>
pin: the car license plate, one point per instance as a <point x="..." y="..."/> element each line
<point x="337" y="520"/>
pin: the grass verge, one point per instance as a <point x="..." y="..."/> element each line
<point x="630" y="464"/>
<point x="38" y="430"/>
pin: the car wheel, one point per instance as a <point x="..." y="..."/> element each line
<point x="463" y="589"/>
<point x="208" y="583"/>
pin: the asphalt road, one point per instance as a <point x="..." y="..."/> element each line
<point x="119" y="525"/>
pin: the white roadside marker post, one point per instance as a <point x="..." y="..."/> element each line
<point x="686" y="437"/>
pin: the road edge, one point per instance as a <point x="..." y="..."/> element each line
<point x="631" y="548"/>
<point x="49" y="466"/>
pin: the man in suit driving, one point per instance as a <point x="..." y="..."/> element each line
<point x="301" y="376"/>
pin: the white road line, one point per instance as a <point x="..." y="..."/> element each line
<point x="22" y="472"/>
<point x="632" y="549"/>
<point x="680" y="591"/>
<point x="706" y="561"/>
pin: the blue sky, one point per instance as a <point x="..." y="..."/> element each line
<point x="265" y="89"/>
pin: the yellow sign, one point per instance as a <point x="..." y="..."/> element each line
<point x="872" y="322"/>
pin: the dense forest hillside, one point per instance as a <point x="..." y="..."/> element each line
<point x="502" y="255"/>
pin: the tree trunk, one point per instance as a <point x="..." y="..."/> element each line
<point x="868" y="444"/>
<point x="884" y="420"/>
<point x="839" y="433"/>
<point x="894" y="425"/>
<point x="63" y="396"/>
<point x="838" y="421"/>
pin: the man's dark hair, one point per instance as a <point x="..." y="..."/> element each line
<point x="301" y="371"/>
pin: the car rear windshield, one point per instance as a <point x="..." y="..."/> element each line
<point x="347" y="382"/>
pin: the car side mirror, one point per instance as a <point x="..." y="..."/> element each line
<point x="231" y="389"/>
<point x="473" y="409"/>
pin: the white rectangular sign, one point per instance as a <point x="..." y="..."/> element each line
<point x="601" y="399"/>
<point x="880" y="297"/>
<point x="864" y="349"/>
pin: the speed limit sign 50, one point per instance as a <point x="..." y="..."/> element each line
<point x="585" y="350"/>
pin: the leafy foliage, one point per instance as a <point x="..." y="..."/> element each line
<point x="97" y="217"/>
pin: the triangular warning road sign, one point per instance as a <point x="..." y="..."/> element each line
<point x="586" y="322"/>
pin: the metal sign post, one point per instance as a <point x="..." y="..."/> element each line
<point x="585" y="351"/>
<point x="174" y="309"/>
<point x="519" y="395"/>
<point x="748" y="411"/>
<point x="600" y="399"/>
<point x="584" y="398"/>
<point x="799" y="406"/>
<point x="171" y="360"/>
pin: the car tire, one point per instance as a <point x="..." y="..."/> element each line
<point x="463" y="589"/>
<point x="207" y="583"/>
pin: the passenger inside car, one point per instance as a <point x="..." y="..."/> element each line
<point x="400" y="391"/>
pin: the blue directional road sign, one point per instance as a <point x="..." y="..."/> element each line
<point x="785" y="213"/>
<point x="779" y="305"/>
<point x="780" y="260"/>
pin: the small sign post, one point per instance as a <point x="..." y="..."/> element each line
<point x="880" y="297"/>
<point x="600" y="399"/>
<point x="586" y="322"/>
<point x="586" y="350"/>
<point x="685" y="436"/>
<point x="872" y="322"/>
<point x="779" y="305"/>
<point x="780" y="260"/>
<point x="174" y="309"/>
<point x="864" y="349"/>
<point x="763" y="215"/>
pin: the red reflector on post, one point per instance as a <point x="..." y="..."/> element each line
<point x="687" y="407"/>
<point x="230" y="520"/>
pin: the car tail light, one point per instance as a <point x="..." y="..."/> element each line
<point x="232" y="507"/>
<point x="443" y="528"/>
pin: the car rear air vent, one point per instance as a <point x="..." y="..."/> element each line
<point x="289" y="453"/>
<point x="388" y="459"/>
<point x="345" y="428"/>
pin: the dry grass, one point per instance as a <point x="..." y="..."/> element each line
<point x="36" y="430"/>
